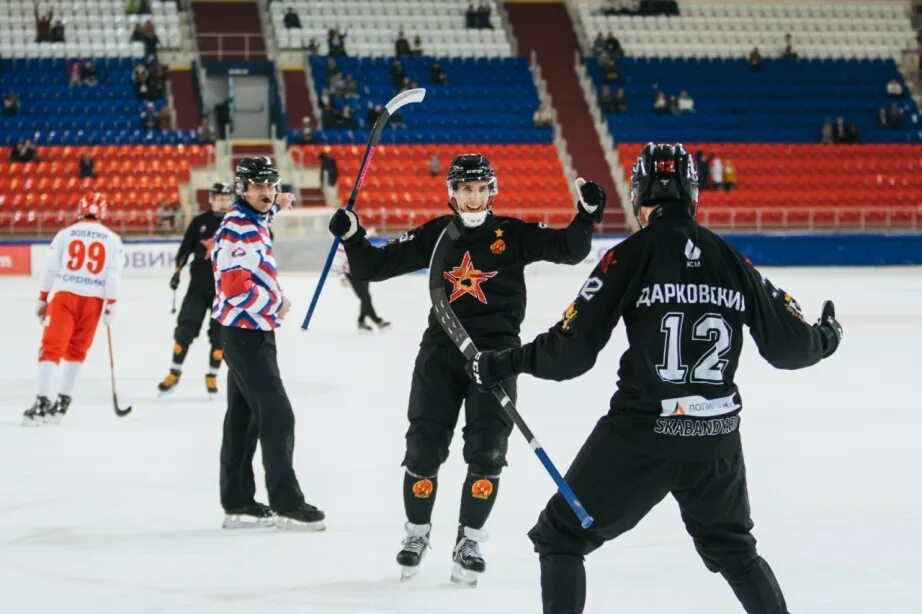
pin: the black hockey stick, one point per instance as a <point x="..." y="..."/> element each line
<point x="454" y="329"/>
<point x="400" y="100"/>
<point x="121" y="413"/>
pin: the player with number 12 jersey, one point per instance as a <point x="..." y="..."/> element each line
<point x="81" y="278"/>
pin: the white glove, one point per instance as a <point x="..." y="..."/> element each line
<point x="41" y="308"/>
<point x="108" y="313"/>
<point x="579" y="183"/>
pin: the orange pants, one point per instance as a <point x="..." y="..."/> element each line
<point x="70" y="325"/>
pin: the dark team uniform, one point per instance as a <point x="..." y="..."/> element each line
<point x="198" y="242"/>
<point x="484" y="280"/>
<point x="685" y="296"/>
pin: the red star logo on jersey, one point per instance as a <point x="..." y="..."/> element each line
<point x="466" y="279"/>
<point x="209" y="247"/>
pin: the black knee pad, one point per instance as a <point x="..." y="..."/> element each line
<point x="427" y="448"/>
<point x="558" y="531"/>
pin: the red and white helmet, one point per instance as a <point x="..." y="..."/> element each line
<point x="93" y="204"/>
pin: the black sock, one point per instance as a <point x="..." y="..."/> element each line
<point x="563" y="583"/>
<point x="214" y="359"/>
<point x="419" y="497"/>
<point x="179" y="353"/>
<point x="477" y="498"/>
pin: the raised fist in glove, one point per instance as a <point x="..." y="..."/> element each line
<point x="591" y="199"/>
<point x="830" y="329"/>
<point x="174" y="280"/>
<point x="490" y="367"/>
<point x="108" y="313"/>
<point x="345" y="224"/>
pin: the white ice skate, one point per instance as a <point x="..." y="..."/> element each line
<point x="414" y="549"/>
<point x="469" y="563"/>
<point x="253" y="516"/>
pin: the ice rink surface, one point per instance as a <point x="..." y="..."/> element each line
<point x="102" y="514"/>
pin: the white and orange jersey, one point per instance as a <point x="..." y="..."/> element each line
<point x="86" y="259"/>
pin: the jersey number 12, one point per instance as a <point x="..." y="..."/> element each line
<point x="709" y="368"/>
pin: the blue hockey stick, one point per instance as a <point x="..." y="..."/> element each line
<point x="454" y="329"/>
<point x="401" y="99"/>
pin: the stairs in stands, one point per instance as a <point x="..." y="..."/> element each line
<point x="228" y="30"/>
<point x="555" y="56"/>
<point x="185" y="98"/>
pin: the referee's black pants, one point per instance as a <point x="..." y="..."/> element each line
<point x="257" y="410"/>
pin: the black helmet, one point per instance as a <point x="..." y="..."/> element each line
<point x="471" y="167"/>
<point x="664" y="173"/>
<point x="255" y="170"/>
<point x="219" y="189"/>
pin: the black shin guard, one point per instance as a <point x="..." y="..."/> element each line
<point x="419" y="496"/>
<point x="179" y="353"/>
<point x="563" y="583"/>
<point x="477" y="497"/>
<point x="757" y="589"/>
<point x="214" y="358"/>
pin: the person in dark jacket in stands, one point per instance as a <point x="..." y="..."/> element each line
<point x="402" y="46"/>
<point x="437" y="74"/>
<point x="291" y="19"/>
<point x="43" y="25"/>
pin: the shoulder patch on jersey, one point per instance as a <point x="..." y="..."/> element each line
<point x="239" y="252"/>
<point x="607" y="260"/>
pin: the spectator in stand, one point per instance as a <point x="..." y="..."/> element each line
<point x="43" y="25"/>
<point x="351" y="88"/>
<point x="328" y="116"/>
<point x="291" y="19"/>
<point x="74" y="71"/>
<point x="607" y="100"/>
<point x="312" y="47"/>
<point x="621" y="105"/>
<point x="613" y="46"/>
<point x="149" y="117"/>
<point x="895" y="116"/>
<point x="11" y="106"/>
<point x="85" y="167"/>
<point x="673" y="104"/>
<point x="470" y="18"/>
<point x="165" y="118"/>
<point x="337" y="85"/>
<point x="345" y="121"/>
<point x="329" y="174"/>
<point x="146" y="35"/>
<point x="610" y="73"/>
<point x="144" y="7"/>
<point x="306" y="134"/>
<point x="436" y="75"/>
<point x="686" y="103"/>
<point x="336" y="42"/>
<point x="331" y="68"/>
<point x="88" y="73"/>
<point x="660" y="104"/>
<point x="851" y="133"/>
<point x="598" y="46"/>
<point x="729" y="175"/>
<point x="894" y="88"/>
<point x="24" y="151"/>
<point x="222" y="117"/>
<point x="418" y="46"/>
<point x="398" y="74"/>
<point x="701" y="162"/>
<point x="156" y="81"/>
<point x="435" y="165"/>
<point x="755" y="60"/>
<point x="840" y="131"/>
<point x="883" y="121"/>
<point x="483" y="16"/>
<point x="206" y="132"/>
<point x="826" y="132"/>
<point x="788" y="52"/>
<point x="717" y="172"/>
<point x="402" y="46"/>
<point x="57" y="32"/>
<point x="371" y="116"/>
<point x="139" y="78"/>
<point x="165" y="216"/>
<point x="543" y="118"/>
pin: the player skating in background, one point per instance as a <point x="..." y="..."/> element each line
<point x="685" y="296"/>
<point x="81" y="279"/>
<point x="360" y="287"/>
<point x="196" y="306"/>
<point x="250" y="305"/>
<point x="487" y="291"/>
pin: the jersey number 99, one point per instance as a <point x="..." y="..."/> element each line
<point x="93" y="256"/>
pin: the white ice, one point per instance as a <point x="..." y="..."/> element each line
<point x="102" y="514"/>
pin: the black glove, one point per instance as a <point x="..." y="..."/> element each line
<point x="830" y="328"/>
<point x="345" y="225"/>
<point x="490" y="367"/>
<point x="174" y="280"/>
<point x="591" y="201"/>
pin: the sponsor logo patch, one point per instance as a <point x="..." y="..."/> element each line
<point x="498" y="246"/>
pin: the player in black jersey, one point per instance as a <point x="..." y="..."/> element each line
<point x="685" y="295"/>
<point x="196" y="306"/>
<point x="486" y="286"/>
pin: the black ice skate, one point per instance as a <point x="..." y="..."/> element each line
<point x="383" y="325"/>
<point x="211" y="384"/>
<point x="252" y="516"/>
<point x="57" y="411"/>
<point x="35" y="415"/>
<point x="303" y="518"/>
<point x="469" y="563"/>
<point x="169" y="382"/>
<point x="414" y="549"/>
<point x="365" y="328"/>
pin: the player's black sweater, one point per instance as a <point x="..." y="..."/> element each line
<point x="198" y="242"/>
<point x="684" y="294"/>
<point x="484" y="273"/>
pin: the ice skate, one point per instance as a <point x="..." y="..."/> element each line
<point x="169" y="382"/>
<point x="35" y="415"/>
<point x="56" y="412"/>
<point x="414" y="549"/>
<point x="211" y="384"/>
<point x="469" y="563"/>
<point x="252" y="516"/>
<point x="383" y="325"/>
<point x="364" y="329"/>
<point x="303" y="518"/>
